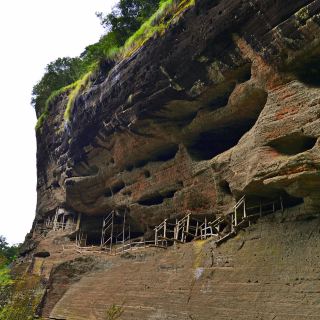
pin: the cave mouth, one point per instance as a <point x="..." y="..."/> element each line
<point x="293" y="144"/>
<point x="117" y="187"/>
<point x="291" y="201"/>
<point x="308" y="69"/>
<point x="225" y="187"/>
<point x="108" y="193"/>
<point x="91" y="230"/>
<point x="159" y="155"/>
<point x="209" y="144"/>
<point x="156" y="198"/>
<point x="162" y="155"/>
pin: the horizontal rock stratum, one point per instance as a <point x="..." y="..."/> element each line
<point x="225" y="104"/>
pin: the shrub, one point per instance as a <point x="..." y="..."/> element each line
<point x="114" y="312"/>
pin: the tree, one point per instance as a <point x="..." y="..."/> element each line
<point x="3" y="243"/>
<point x="7" y="253"/>
<point x="58" y="74"/>
<point x="127" y="17"/>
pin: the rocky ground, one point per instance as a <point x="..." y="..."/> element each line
<point x="269" y="271"/>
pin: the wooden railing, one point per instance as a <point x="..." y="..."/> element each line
<point x="188" y="228"/>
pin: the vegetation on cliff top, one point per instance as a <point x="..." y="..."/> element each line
<point x="129" y="26"/>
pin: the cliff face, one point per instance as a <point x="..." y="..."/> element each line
<point x="220" y="106"/>
<point x="224" y="104"/>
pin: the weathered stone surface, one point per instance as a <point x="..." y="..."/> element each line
<point x="270" y="271"/>
<point x="226" y="103"/>
<point x="161" y="135"/>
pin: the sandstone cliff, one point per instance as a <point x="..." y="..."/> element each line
<point x="225" y="104"/>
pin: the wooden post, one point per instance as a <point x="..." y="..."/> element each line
<point x="176" y="230"/>
<point x="123" y="230"/>
<point x="102" y="232"/>
<point x="55" y="220"/>
<point x="156" y="237"/>
<point x="281" y="203"/>
<point x="260" y="208"/>
<point x="78" y="221"/>
<point x="235" y="217"/>
<point x="188" y="226"/>
<point x="63" y="222"/>
<point x="111" y="235"/>
<point x="165" y="228"/>
<point x="205" y="228"/>
<point x="244" y="209"/>
<point x="273" y="207"/>
<point x="196" y="234"/>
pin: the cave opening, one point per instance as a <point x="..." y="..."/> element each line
<point x="124" y="228"/>
<point x="117" y="187"/>
<point x="293" y="144"/>
<point x="147" y="174"/>
<point x="91" y="230"/>
<point x="225" y="187"/>
<point x="308" y="69"/>
<point x="108" y="193"/>
<point x="209" y="144"/>
<point x="156" y="198"/>
<point x="291" y="201"/>
<point x="162" y="155"/>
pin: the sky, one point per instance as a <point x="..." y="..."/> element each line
<point x="32" y="34"/>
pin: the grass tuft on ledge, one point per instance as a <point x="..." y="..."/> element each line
<point x="78" y="87"/>
<point x="52" y="98"/>
<point x="109" y="48"/>
<point x="168" y="13"/>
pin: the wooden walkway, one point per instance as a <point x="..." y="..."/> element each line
<point x="169" y="232"/>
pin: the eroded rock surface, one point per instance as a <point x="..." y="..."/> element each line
<point x="269" y="271"/>
<point x="218" y="107"/>
<point x="226" y="103"/>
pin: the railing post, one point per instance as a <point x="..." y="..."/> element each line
<point x="281" y="204"/>
<point x="260" y="208"/>
<point x="156" y="237"/>
<point x="196" y="233"/>
<point x="123" y="231"/>
<point x="244" y="208"/>
<point x="111" y="236"/>
<point x="188" y="226"/>
<point x="176" y="230"/>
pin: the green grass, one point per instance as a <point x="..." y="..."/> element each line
<point x="78" y="87"/>
<point x="52" y="98"/>
<point x="114" y="312"/>
<point x="25" y="296"/>
<point x="5" y="278"/>
<point x="74" y="89"/>
<point x="167" y="13"/>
